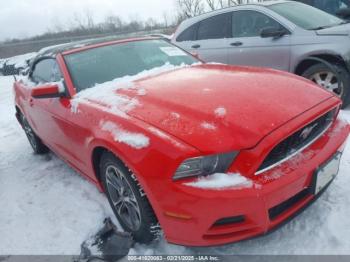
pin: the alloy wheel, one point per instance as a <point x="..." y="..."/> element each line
<point x="328" y="80"/>
<point x="123" y="198"/>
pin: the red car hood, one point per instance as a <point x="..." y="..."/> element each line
<point x="220" y="108"/>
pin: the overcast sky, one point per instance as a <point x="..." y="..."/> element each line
<point x="24" y="18"/>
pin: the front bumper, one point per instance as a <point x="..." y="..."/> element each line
<point x="213" y="217"/>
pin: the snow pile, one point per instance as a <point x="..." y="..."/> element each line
<point x="79" y="45"/>
<point x="221" y="181"/>
<point x="2" y="62"/>
<point x="273" y="176"/>
<point x="135" y="140"/>
<point x="207" y="125"/>
<point x="20" y="61"/>
<point x="175" y="115"/>
<point x="220" y="112"/>
<point x="141" y="92"/>
<point x="106" y="94"/>
<point x="93" y="246"/>
<point x="26" y="81"/>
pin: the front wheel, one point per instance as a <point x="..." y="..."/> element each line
<point x="129" y="203"/>
<point x="336" y="79"/>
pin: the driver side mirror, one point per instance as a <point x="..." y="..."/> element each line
<point x="273" y="32"/>
<point x="344" y="13"/>
<point x="46" y="91"/>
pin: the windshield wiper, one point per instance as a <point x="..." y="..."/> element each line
<point x="319" y="28"/>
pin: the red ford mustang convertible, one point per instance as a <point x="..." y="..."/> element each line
<point x="209" y="153"/>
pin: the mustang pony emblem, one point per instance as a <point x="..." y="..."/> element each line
<point x="307" y="131"/>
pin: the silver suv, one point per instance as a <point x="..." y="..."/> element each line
<point x="284" y="35"/>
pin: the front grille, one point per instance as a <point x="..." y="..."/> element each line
<point x="297" y="141"/>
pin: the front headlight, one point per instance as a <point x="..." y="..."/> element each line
<point x="205" y="165"/>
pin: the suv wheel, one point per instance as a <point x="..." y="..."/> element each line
<point x="337" y="82"/>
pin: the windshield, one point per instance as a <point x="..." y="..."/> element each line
<point x="305" y="16"/>
<point x="102" y="64"/>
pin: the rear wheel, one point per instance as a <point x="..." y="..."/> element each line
<point x="34" y="140"/>
<point x="336" y="79"/>
<point x="129" y="203"/>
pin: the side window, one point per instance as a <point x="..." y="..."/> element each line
<point x="215" y="27"/>
<point x="188" y="35"/>
<point x="250" y="23"/>
<point x="46" y="70"/>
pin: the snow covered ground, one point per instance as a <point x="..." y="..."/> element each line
<point x="47" y="208"/>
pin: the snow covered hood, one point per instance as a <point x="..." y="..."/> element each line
<point x="216" y="107"/>
<point x="336" y="30"/>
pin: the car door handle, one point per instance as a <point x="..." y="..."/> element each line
<point x="196" y="46"/>
<point x="238" y="43"/>
<point x="31" y="101"/>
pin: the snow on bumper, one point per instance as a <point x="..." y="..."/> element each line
<point x="205" y="217"/>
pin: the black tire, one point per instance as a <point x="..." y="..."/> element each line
<point x="145" y="227"/>
<point x="36" y="143"/>
<point x="338" y="71"/>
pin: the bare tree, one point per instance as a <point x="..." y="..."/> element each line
<point x="150" y="24"/>
<point x="56" y="25"/>
<point x="165" y="19"/>
<point x="190" y="8"/>
<point x="84" y="20"/>
<point x="212" y="4"/>
<point x="113" y="22"/>
<point x="90" y="23"/>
